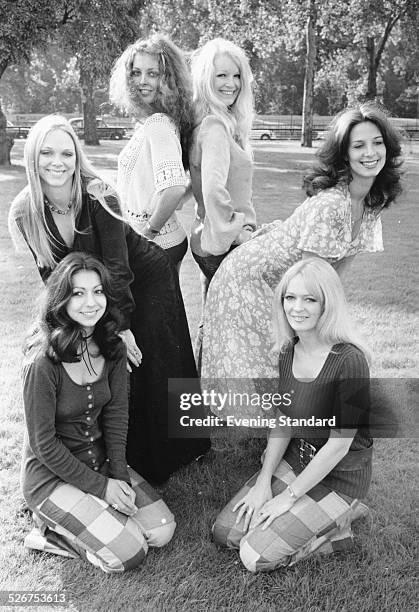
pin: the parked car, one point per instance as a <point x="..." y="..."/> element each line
<point x="105" y="131"/>
<point x="16" y="131"/>
<point x="411" y="132"/>
<point x="261" y="133"/>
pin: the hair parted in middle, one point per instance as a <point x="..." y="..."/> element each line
<point x="31" y="199"/>
<point x="54" y="332"/>
<point x="335" y="324"/>
<point x="332" y="166"/>
<point x="239" y="116"/>
<point x="174" y="95"/>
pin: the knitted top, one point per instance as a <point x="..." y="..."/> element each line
<point x="221" y="176"/>
<point x="72" y="429"/>
<point x="341" y="389"/>
<point x="148" y="164"/>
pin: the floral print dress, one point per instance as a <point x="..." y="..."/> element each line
<point x="237" y="327"/>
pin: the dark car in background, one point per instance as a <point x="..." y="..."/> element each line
<point x="16" y="131"/>
<point x="105" y="131"/>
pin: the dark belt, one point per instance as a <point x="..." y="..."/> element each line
<point x="353" y="460"/>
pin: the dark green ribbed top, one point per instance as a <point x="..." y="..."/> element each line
<point x="342" y="390"/>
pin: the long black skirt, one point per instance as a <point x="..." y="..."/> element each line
<point x="161" y="330"/>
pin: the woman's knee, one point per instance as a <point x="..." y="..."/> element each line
<point x="259" y="558"/>
<point x="161" y="535"/>
<point x="219" y="533"/>
<point x="225" y="532"/>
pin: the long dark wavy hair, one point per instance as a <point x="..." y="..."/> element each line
<point x="174" y="95"/>
<point x="332" y="166"/>
<point x="54" y="333"/>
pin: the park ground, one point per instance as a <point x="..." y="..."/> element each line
<point x="191" y="573"/>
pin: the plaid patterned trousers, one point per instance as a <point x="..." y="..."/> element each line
<point x="319" y="521"/>
<point x="74" y="523"/>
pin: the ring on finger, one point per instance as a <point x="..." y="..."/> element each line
<point x="115" y="506"/>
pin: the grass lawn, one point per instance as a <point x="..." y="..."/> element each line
<point x="191" y="573"/>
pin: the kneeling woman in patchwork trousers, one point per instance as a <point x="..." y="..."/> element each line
<point x="86" y="501"/>
<point x="307" y="493"/>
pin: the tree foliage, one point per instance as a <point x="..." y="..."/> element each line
<point x="49" y="83"/>
<point x="362" y="50"/>
<point x="24" y="26"/>
<point x="97" y="33"/>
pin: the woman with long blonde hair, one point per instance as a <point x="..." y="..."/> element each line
<point x="220" y="158"/>
<point x="67" y="207"/>
<point x="317" y="464"/>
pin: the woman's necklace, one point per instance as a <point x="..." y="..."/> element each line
<point x="86" y="354"/>
<point x="54" y="209"/>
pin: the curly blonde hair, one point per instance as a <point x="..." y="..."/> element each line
<point x="237" y="118"/>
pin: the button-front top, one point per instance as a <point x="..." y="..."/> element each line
<point x="50" y="395"/>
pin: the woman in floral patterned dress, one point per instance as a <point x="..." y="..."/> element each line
<point x="356" y="177"/>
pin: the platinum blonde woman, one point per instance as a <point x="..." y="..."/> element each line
<point x="67" y="207"/>
<point x="307" y="493"/>
<point x="220" y="158"/>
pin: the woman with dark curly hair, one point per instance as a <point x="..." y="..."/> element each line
<point x="67" y="207"/>
<point x="85" y="500"/>
<point x="151" y="81"/>
<point x="357" y="175"/>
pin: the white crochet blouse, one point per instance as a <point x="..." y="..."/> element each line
<point x="148" y="164"/>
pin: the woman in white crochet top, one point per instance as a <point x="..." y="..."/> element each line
<point x="150" y="80"/>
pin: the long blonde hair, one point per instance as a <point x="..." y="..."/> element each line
<point x="335" y="324"/>
<point x="30" y="202"/>
<point x="238" y="118"/>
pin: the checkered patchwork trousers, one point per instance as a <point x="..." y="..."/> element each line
<point x="319" y="521"/>
<point x="83" y="525"/>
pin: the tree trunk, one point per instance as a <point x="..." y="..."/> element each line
<point x="372" y="70"/>
<point x="310" y="64"/>
<point x="89" y="109"/>
<point x="375" y="54"/>
<point x="6" y="141"/>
